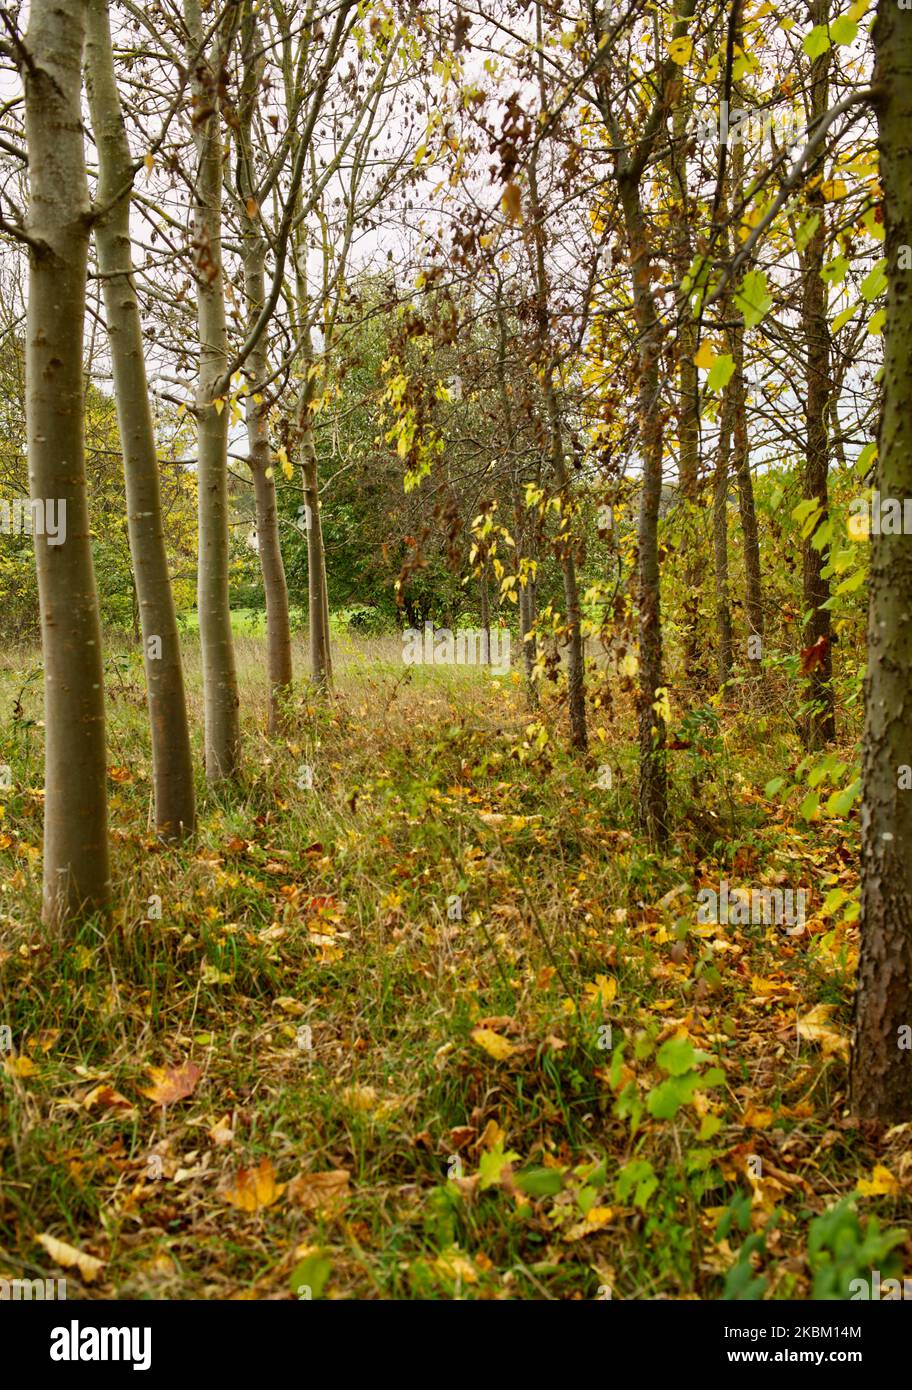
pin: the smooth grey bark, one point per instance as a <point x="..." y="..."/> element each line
<point x="881" y="1065"/>
<point x="220" y="689"/>
<point x="256" y="408"/>
<point x="172" y="763"/>
<point x="76" y="879"/>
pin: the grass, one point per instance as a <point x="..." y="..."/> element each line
<point x="395" y="991"/>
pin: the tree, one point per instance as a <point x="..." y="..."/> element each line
<point x="172" y="762"/>
<point x="206" y="58"/>
<point x="58" y="227"/>
<point x="881" y="1070"/>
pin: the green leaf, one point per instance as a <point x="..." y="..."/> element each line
<point x="875" y="282"/>
<point x="540" y="1182"/>
<point x="854" y="581"/>
<point x="842" y="319"/>
<point x="807" y="230"/>
<point x="676" y="1056"/>
<point x="804" y="509"/>
<point x="834" y="272"/>
<point x="492" y="1164"/>
<point x="774" y="786"/>
<point x="753" y="299"/>
<point x="817" y="41"/>
<point x="809" y="805"/>
<point x="866" y="458"/>
<point x="721" y="372"/>
<point x="843" y="29"/>
<point x="309" y="1276"/>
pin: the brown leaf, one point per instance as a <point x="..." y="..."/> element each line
<point x="321" y="1192"/>
<point x="170" y="1084"/>
<point x="106" y="1098"/>
<point x="512" y="202"/>
<point x="814" y="656"/>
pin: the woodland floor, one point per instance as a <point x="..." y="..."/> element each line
<point x="457" y="1125"/>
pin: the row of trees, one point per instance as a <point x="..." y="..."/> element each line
<point x="630" y="269"/>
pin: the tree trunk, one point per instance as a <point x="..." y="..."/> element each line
<point x="653" y="788"/>
<point x="881" y="1071"/>
<point x="318" y="608"/>
<point x="172" y="763"/>
<point x="220" y="690"/>
<point x="724" y="642"/>
<point x="576" y="671"/>
<point x="820" y="724"/>
<point x="748" y="513"/>
<point x="76" y="865"/>
<point x="275" y="587"/>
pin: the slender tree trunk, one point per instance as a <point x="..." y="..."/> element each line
<point x="724" y="641"/>
<point x="220" y="689"/>
<point x="653" y="789"/>
<point x="740" y="462"/>
<point x="318" y="608"/>
<point x="820" y="725"/>
<point x="748" y="513"/>
<point x="76" y="864"/>
<point x="172" y="763"/>
<point x="881" y="1070"/>
<point x="576" y="671"/>
<point x="688" y="401"/>
<point x="275" y="587"/>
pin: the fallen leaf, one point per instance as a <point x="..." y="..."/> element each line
<point x="20" y="1066"/>
<point x="494" y="1045"/>
<point x="170" y="1084"/>
<point x="106" y="1098"/>
<point x="815" y="1027"/>
<point x="881" y="1183"/>
<point x="254" y="1188"/>
<point x="68" y="1257"/>
<point x="321" y="1192"/>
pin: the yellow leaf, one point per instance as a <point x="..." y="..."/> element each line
<point x="680" y="50"/>
<point x="149" y="162"/>
<point x="68" y="1257"/>
<point x="494" y="1045"/>
<point x="254" y="1188"/>
<point x="706" y="356"/>
<point x="881" y="1183"/>
<point x="595" y="1220"/>
<point x="815" y="1027"/>
<point x="833" y="189"/>
<point x="757" y="1117"/>
<point x="604" y="988"/>
<point x="21" y="1066"/>
<point x="219" y="404"/>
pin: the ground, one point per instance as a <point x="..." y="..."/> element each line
<point x="440" y="1024"/>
